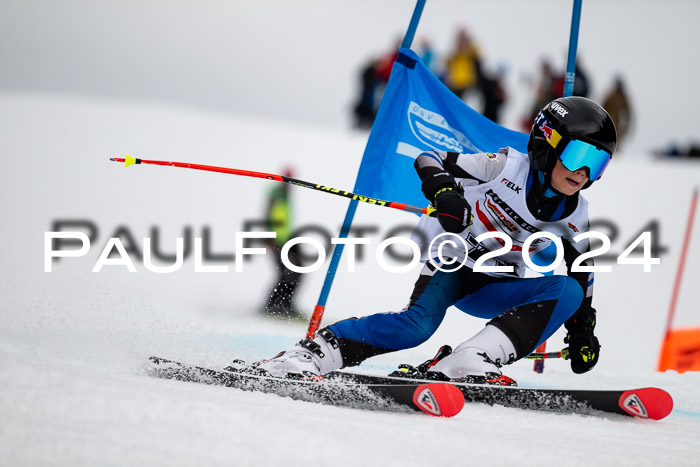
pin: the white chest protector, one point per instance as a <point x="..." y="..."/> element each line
<point x="500" y="205"/>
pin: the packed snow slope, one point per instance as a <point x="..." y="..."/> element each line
<point x="73" y="342"/>
<point x="239" y="84"/>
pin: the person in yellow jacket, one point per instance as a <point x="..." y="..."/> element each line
<point x="463" y="66"/>
<point x="279" y="301"/>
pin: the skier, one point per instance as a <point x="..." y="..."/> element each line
<point x="280" y="299"/>
<point x="570" y="145"/>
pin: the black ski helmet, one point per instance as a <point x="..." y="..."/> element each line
<point x="569" y="119"/>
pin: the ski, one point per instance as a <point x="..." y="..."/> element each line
<point x="652" y="403"/>
<point x="433" y="398"/>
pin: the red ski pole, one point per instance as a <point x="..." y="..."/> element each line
<point x="538" y="367"/>
<point x="428" y="211"/>
<point x="563" y="353"/>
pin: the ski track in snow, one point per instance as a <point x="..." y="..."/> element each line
<point x="73" y="403"/>
<point x="73" y="343"/>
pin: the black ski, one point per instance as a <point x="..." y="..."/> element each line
<point x="653" y="403"/>
<point x="400" y="393"/>
<point x="438" y="399"/>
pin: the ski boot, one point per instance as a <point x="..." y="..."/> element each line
<point x="309" y="359"/>
<point x="467" y="365"/>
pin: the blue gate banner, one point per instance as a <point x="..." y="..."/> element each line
<point x="419" y="113"/>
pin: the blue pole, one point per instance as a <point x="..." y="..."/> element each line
<point x="573" y="45"/>
<point x="413" y="25"/>
<point x="350" y="214"/>
<point x="568" y="91"/>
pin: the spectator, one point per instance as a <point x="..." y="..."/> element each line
<point x="386" y="62"/>
<point x="373" y="78"/>
<point x="582" y="86"/>
<point x="365" y="109"/>
<point x="279" y="302"/>
<point x="463" y="66"/>
<point x="494" y="95"/>
<point x="551" y="86"/>
<point x="427" y="53"/>
<point x="545" y="91"/>
<point x="616" y="103"/>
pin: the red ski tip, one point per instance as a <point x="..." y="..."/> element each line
<point x="653" y="403"/>
<point x="439" y="399"/>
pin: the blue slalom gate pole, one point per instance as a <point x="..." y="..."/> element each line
<point x="568" y="91"/>
<point x="573" y="46"/>
<point x="320" y="307"/>
<point x="413" y="25"/>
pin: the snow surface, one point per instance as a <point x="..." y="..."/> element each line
<point x="73" y="343"/>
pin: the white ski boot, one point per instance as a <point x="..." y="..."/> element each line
<point x="479" y="359"/>
<point x="308" y="359"/>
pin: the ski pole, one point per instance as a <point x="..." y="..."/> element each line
<point x="538" y="367"/>
<point x="563" y="353"/>
<point x="428" y="211"/>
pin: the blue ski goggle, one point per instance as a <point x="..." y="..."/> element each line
<point x="577" y="155"/>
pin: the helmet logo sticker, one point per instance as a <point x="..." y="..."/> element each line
<point x="558" y="108"/>
<point x="552" y="136"/>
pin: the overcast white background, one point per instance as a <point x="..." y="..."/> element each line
<point x="255" y="85"/>
<point x="300" y="60"/>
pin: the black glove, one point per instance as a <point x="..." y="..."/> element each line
<point x="435" y="181"/>
<point x="584" y="348"/>
<point x="453" y="211"/>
